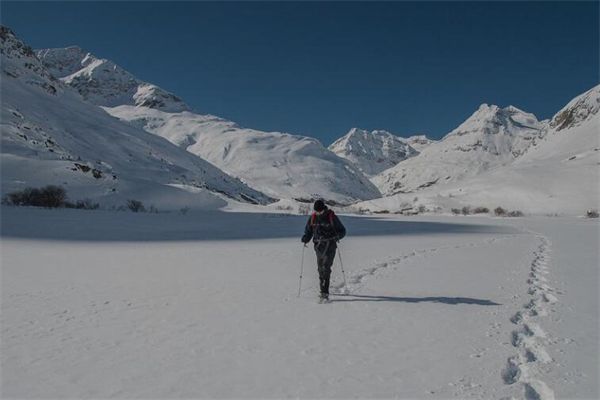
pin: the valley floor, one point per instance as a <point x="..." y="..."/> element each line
<point x="108" y="304"/>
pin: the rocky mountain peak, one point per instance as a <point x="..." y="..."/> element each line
<point x="104" y="83"/>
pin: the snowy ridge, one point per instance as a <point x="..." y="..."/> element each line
<point x="104" y="83"/>
<point x="50" y="136"/>
<point x="491" y="137"/>
<point x="375" y="151"/>
<point x="279" y="164"/>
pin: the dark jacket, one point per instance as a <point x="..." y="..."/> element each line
<point x="324" y="227"/>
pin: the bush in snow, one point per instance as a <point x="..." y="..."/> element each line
<point x="85" y="204"/>
<point x="499" y="212"/>
<point x="184" y="210"/>
<point x="515" y="213"/>
<point x="455" y="211"/>
<point x="422" y="209"/>
<point x="481" y="210"/>
<point x="466" y="210"/>
<point x="49" y="196"/>
<point x="592" y="214"/>
<point x="136" y="206"/>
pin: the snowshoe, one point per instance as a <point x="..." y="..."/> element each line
<point x="324" y="298"/>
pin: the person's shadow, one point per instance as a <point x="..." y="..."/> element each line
<point x="441" y="299"/>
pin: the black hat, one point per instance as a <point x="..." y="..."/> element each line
<point x="319" y="205"/>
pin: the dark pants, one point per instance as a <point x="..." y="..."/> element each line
<point x="325" y="255"/>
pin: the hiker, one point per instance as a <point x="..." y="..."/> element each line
<point x="325" y="229"/>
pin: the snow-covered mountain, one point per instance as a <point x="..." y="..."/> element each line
<point x="104" y="83"/>
<point x="489" y="138"/>
<point x="559" y="172"/>
<point x="279" y="164"/>
<point x="50" y="135"/>
<point x="373" y="151"/>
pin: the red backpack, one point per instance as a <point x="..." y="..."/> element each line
<point x="313" y="218"/>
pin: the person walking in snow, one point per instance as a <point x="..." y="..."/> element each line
<point x="325" y="229"/>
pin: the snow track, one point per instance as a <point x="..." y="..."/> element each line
<point x="528" y="338"/>
<point x="357" y="279"/>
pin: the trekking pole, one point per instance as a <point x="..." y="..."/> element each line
<point x="301" y="269"/>
<point x="342" y="266"/>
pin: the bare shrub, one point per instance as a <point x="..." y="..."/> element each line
<point x="591" y="214"/>
<point x="49" y="196"/>
<point x="514" y="213"/>
<point x="499" y="212"/>
<point x="422" y="209"/>
<point x="136" y="206"/>
<point x="456" y="211"/>
<point x="481" y="210"/>
<point x="184" y="210"/>
<point x="85" y="204"/>
<point x="466" y="210"/>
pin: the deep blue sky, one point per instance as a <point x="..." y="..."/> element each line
<point x="319" y="69"/>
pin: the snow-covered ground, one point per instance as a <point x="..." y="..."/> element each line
<point x="203" y="305"/>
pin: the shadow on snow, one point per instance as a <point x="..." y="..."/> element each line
<point x="445" y="300"/>
<point x="99" y="225"/>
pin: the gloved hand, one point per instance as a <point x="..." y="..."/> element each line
<point x="305" y="239"/>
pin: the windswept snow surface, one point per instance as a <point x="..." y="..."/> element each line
<point x="203" y="305"/>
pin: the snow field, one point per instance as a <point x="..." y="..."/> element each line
<point x="430" y="310"/>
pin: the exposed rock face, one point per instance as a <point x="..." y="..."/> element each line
<point x="580" y="109"/>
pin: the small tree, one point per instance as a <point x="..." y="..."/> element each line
<point x="466" y="210"/>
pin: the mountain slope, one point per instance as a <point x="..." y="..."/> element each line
<point x="51" y="136"/>
<point x="372" y="152"/>
<point x="279" y="164"/>
<point x="103" y="83"/>
<point x="559" y="173"/>
<point x="491" y="137"/>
